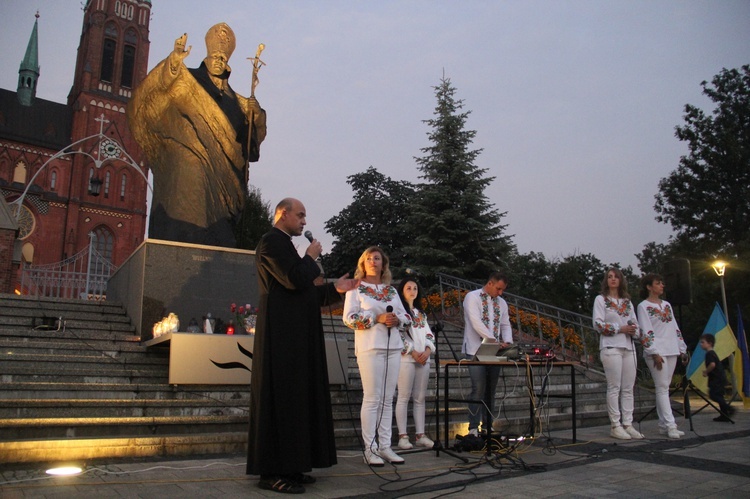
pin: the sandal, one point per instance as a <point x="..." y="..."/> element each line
<point x="302" y="479"/>
<point x="281" y="485"/>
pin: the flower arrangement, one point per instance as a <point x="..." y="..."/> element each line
<point x="245" y="316"/>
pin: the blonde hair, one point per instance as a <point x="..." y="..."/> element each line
<point x="385" y="273"/>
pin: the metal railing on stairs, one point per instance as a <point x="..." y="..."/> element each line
<point x="571" y="334"/>
<point x="82" y="276"/>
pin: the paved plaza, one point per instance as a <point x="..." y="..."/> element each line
<point x="711" y="461"/>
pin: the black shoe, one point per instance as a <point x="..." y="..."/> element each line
<point x="283" y="485"/>
<point x="303" y="479"/>
<point x="722" y="418"/>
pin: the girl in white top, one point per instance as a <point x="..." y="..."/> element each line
<point x="377" y="346"/>
<point x="419" y="343"/>
<point x="662" y="345"/>
<point x="614" y="318"/>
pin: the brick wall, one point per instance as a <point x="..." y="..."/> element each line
<point x="7" y="239"/>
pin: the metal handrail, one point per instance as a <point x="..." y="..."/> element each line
<point x="582" y="336"/>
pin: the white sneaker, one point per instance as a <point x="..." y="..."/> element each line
<point x="674" y="433"/>
<point x="403" y="443"/>
<point x="633" y="433"/>
<point x="665" y="431"/>
<point x="373" y="459"/>
<point x="423" y="441"/>
<point x="619" y="432"/>
<point x="387" y="454"/>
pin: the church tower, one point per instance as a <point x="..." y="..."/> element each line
<point x="74" y="168"/>
<point x="28" y="73"/>
<point x="112" y="60"/>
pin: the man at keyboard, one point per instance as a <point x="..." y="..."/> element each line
<point x="485" y="318"/>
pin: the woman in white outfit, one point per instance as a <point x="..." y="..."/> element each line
<point x="662" y="346"/>
<point x="419" y="343"/>
<point x="614" y="318"/>
<point x="377" y="346"/>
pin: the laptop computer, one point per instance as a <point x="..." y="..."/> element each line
<point x="490" y="351"/>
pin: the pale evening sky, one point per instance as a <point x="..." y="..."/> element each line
<point x="574" y="102"/>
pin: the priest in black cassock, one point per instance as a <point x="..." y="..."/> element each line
<point x="291" y="423"/>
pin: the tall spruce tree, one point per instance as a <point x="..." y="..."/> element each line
<point x="455" y="229"/>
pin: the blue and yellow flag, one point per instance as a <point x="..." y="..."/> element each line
<point x="742" y="362"/>
<point x="725" y="345"/>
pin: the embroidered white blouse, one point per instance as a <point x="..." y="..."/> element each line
<point x="661" y="335"/>
<point x="419" y="338"/>
<point x="361" y="309"/>
<point x="484" y="317"/>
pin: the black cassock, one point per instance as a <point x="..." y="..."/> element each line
<point x="291" y="424"/>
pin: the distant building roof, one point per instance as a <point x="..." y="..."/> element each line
<point x="44" y="123"/>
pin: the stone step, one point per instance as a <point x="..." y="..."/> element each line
<point x="85" y="408"/>
<point x="90" y="389"/>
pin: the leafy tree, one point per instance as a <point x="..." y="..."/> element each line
<point x="576" y="281"/>
<point x="377" y="216"/>
<point x="455" y="228"/>
<point x="652" y="258"/>
<point x="707" y="199"/>
<point x="256" y="220"/>
<point x="530" y="277"/>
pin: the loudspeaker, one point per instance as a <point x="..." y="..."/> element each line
<point x="678" y="287"/>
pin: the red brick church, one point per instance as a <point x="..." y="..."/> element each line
<point x="77" y="192"/>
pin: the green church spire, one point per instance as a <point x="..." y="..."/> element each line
<point x="28" y="73"/>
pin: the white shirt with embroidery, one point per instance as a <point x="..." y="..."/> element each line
<point x="660" y="333"/>
<point x="484" y="318"/>
<point x="362" y="306"/>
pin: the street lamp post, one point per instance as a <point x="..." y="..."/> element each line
<point x="720" y="267"/>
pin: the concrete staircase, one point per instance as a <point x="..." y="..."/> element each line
<point x="77" y="384"/>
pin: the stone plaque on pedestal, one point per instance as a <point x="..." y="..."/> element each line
<point x="190" y="280"/>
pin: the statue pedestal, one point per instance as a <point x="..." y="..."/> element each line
<point x="189" y="280"/>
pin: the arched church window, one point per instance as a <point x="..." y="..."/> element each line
<point x="107" y="179"/>
<point x="27" y="252"/>
<point x="19" y="173"/>
<point x="122" y="186"/>
<point x="128" y="63"/>
<point x="26" y="223"/>
<point x="53" y="180"/>
<point x="108" y="60"/>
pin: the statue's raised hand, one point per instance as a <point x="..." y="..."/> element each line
<point x="179" y="53"/>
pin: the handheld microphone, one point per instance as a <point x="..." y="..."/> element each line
<point x="309" y="236"/>
<point x="389" y="309"/>
<point x="631" y="322"/>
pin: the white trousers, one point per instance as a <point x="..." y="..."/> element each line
<point x="619" y="368"/>
<point x="412" y="383"/>
<point x="378" y="369"/>
<point x="662" y="381"/>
